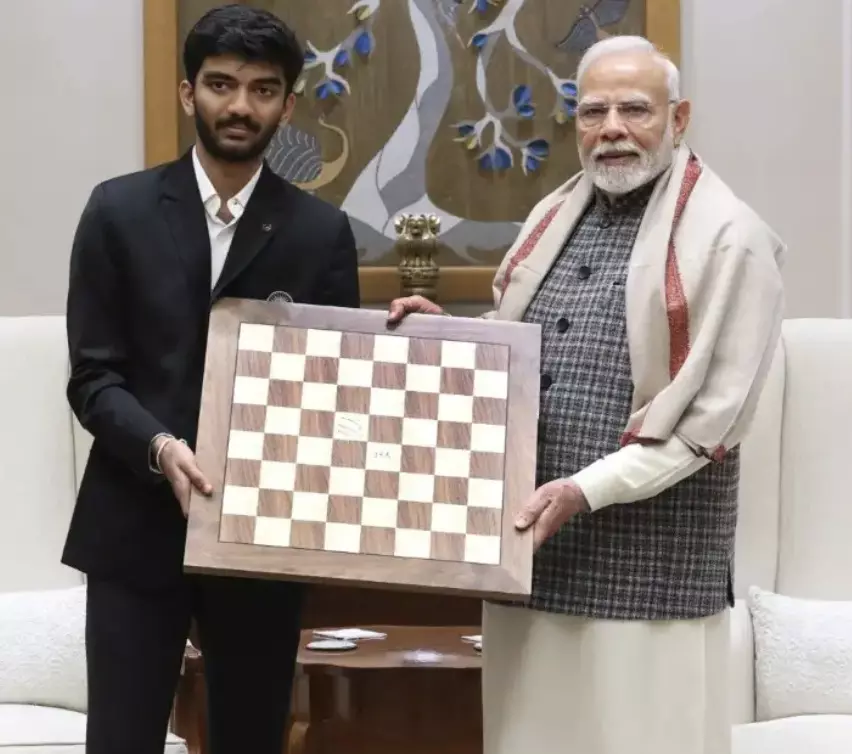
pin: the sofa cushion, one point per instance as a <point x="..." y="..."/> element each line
<point x="810" y="734"/>
<point x="42" y="648"/>
<point x="803" y="656"/>
<point x="27" y="729"/>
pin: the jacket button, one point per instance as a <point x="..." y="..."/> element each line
<point x="562" y="324"/>
<point x="546" y="381"/>
<point x="584" y="272"/>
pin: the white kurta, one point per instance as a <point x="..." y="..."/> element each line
<point x="555" y="684"/>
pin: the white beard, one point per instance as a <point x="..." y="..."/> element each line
<point x="618" y="179"/>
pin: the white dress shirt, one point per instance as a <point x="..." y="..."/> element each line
<point x="221" y="232"/>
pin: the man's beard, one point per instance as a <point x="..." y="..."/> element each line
<point x="245" y="152"/>
<point x="622" y="179"/>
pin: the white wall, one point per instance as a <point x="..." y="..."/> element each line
<point x="771" y="81"/>
<point x="71" y="115"/>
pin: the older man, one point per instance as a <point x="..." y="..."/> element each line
<point x="660" y="298"/>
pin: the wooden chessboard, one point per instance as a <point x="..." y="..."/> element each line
<point x="342" y="451"/>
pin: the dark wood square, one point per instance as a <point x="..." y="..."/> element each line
<point x="349" y="454"/>
<point x="424" y="351"/>
<point x="290" y="340"/>
<point x="275" y="504"/>
<point x="386" y="429"/>
<point x="356" y="345"/>
<point x="248" y="418"/>
<point x="492" y="357"/>
<point x="253" y="364"/>
<point x="344" y="510"/>
<point x="454" y="435"/>
<point x="456" y="381"/>
<point x="321" y="369"/>
<point x="490" y="411"/>
<point x="280" y="448"/>
<point x="417" y="460"/>
<point x="421" y="405"/>
<point x="285" y="393"/>
<point x="389" y="376"/>
<point x="316" y="423"/>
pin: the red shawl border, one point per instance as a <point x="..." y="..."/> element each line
<point x="677" y="307"/>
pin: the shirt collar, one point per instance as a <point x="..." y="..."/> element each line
<point x="209" y="197"/>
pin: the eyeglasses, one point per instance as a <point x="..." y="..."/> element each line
<point x="638" y="113"/>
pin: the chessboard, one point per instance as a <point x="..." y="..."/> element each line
<point x="344" y="451"/>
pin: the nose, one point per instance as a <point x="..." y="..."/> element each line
<point x="613" y="127"/>
<point x="239" y="104"/>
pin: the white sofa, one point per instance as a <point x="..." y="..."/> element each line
<point x="794" y="539"/>
<point x="42" y="620"/>
<point x="791" y="685"/>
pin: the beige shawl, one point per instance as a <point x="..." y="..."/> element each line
<point x="704" y="302"/>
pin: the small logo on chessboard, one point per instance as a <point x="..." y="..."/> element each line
<point x="280" y="297"/>
<point x="349" y="427"/>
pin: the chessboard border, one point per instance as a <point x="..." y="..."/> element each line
<point x="204" y="553"/>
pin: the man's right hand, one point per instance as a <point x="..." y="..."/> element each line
<point x="401" y="307"/>
<point x="178" y="464"/>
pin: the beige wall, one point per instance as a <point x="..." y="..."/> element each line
<point x="771" y="82"/>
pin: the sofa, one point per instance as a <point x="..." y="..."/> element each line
<point x="791" y="628"/>
<point x="793" y="560"/>
<point x="42" y="603"/>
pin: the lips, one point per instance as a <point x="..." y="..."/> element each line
<point x="616" y="156"/>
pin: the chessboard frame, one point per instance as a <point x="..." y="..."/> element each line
<point x="205" y="554"/>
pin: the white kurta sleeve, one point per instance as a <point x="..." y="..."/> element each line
<point x="637" y="472"/>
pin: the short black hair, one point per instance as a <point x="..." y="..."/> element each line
<point x="252" y="34"/>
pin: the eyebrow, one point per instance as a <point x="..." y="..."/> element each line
<point x="222" y="76"/>
<point x="636" y="97"/>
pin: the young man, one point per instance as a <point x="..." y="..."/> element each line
<point x="153" y="251"/>
<point x="660" y="298"/>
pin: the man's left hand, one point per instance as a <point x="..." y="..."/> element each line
<point x="550" y="506"/>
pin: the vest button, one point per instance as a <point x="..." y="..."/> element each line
<point x="584" y="272"/>
<point x="546" y="381"/>
<point x="561" y="324"/>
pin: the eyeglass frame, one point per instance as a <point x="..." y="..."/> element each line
<point x="646" y="116"/>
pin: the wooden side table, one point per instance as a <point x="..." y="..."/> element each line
<point x="371" y="700"/>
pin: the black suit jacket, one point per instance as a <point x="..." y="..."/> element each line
<point x="137" y="317"/>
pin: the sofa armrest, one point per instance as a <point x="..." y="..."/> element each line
<point x="741" y="665"/>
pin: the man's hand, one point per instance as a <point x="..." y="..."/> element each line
<point x="550" y="506"/>
<point x="177" y="462"/>
<point x="400" y="307"/>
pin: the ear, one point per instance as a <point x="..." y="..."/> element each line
<point x="289" y="107"/>
<point x="682" y="113"/>
<point x="187" y="97"/>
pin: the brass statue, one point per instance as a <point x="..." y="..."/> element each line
<point x="417" y="245"/>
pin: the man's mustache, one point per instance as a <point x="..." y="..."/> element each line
<point x="239" y="121"/>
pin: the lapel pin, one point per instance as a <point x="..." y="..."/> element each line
<point x="267" y="227"/>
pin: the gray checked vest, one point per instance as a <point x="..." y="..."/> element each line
<point x="665" y="558"/>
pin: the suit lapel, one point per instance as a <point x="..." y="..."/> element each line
<point x="184" y="214"/>
<point x="264" y="214"/>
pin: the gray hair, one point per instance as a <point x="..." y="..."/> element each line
<point x="622" y="44"/>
